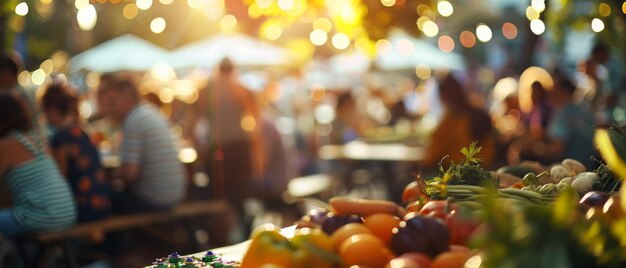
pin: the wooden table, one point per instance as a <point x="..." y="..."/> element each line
<point x="358" y="150"/>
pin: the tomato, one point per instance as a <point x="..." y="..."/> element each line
<point x="450" y="259"/>
<point x="459" y="248"/>
<point x="346" y="231"/>
<point x="403" y="262"/>
<point x="422" y="259"/>
<point x="381" y="225"/>
<point x="460" y="228"/>
<point x="437" y="208"/>
<point x="613" y="208"/>
<point x="413" y="191"/>
<point x="364" y="249"/>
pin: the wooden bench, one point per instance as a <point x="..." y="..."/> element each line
<point x="115" y="223"/>
<point x="125" y="222"/>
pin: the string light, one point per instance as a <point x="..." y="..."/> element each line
<point x="430" y="28"/>
<point x="21" y="9"/>
<point x="597" y="25"/>
<point x="157" y="25"/>
<point x="483" y="32"/>
<point x="445" y="8"/>
<point x="537" y="27"/>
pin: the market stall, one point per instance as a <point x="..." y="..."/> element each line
<point x="530" y="215"/>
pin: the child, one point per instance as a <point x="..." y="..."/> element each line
<point x="75" y="154"/>
<point x="42" y="200"/>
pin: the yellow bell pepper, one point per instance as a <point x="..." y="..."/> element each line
<point x="268" y="248"/>
<point x="314" y="249"/>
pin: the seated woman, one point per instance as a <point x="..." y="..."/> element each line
<point x="42" y="200"/>
<point x="75" y="154"/>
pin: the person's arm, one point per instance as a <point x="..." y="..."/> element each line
<point x="131" y="149"/>
<point x="58" y="150"/>
<point x="129" y="173"/>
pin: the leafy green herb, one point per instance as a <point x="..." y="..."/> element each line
<point x="468" y="172"/>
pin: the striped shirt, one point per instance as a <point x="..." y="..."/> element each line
<point x="42" y="198"/>
<point x="149" y="143"/>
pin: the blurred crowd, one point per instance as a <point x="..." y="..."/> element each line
<point x="249" y="144"/>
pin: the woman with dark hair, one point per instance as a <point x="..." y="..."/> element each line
<point x="75" y="154"/>
<point x="42" y="200"/>
<point x="460" y="126"/>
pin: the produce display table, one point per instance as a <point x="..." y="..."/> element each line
<point x="228" y="254"/>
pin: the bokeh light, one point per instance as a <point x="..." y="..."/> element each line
<point x="624" y="7"/>
<point x="323" y="24"/>
<point x="166" y="95"/>
<point x="47" y="66"/>
<point x="420" y="22"/>
<point x="430" y="28"/>
<point x="509" y="30"/>
<point x="21" y="9"/>
<point x="130" y="11"/>
<point x="597" y="25"/>
<point x="532" y="13"/>
<point x="38" y="77"/>
<point x="445" y="8"/>
<point x="166" y="2"/>
<point x="144" y="4"/>
<point x="24" y="78"/>
<point x="228" y="22"/>
<point x="446" y="43"/>
<point x="537" y="27"/>
<point x="604" y="10"/>
<point x="318" y="37"/>
<point x="187" y="155"/>
<point x="468" y="39"/>
<point x="272" y="31"/>
<point x="340" y="41"/>
<point x="285" y="5"/>
<point x="248" y="123"/>
<point x="194" y="3"/>
<point x="539" y="5"/>
<point x="383" y="46"/>
<point x="80" y="4"/>
<point x="157" y="25"/>
<point x="324" y="114"/>
<point x="483" y="32"/>
<point x="504" y="88"/>
<point x="87" y="18"/>
<point x="423" y="71"/>
<point x="388" y="3"/>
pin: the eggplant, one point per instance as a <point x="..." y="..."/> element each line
<point x="417" y="233"/>
<point x="333" y="222"/>
<point x="594" y="199"/>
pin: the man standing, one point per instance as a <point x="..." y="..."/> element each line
<point x="151" y="171"/>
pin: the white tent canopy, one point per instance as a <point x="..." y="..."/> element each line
<point x="123" y="53"/>
<point x="241" y="49"/>
<point x="422" y="53"/>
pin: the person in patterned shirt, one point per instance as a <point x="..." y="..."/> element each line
<point x="75" y="154"/>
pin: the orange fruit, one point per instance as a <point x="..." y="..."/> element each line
<point x="346" y="231"/>
<point x="381" y="225"/>
<point x="450" y="259"/>
<point x="366" y="250"/>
